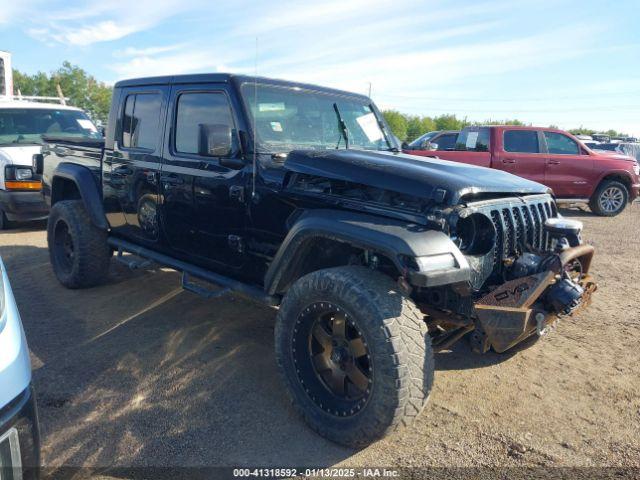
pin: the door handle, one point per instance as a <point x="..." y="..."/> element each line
<point x="554" y="162"/>
<point x="171" y="180"/>
<point x="508" y="160"/>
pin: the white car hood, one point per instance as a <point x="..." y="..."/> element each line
<point x="18" y="154"/>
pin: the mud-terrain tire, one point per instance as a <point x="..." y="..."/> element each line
<point x="397" y="360"/>
<point x="609" y="199"/>
<point x="78" y="250"/>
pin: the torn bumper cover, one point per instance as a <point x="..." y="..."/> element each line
<point x="532" y="304"/>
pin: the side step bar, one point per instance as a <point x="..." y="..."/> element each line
<point x="227" y="284"/>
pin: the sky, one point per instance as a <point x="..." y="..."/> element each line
<point x="560" y="62"/>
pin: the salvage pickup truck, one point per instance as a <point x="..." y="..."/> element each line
<point x="296" y="196"/>
<point x="552" y="157"/>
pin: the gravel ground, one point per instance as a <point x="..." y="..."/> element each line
<point x="139" y="373"/>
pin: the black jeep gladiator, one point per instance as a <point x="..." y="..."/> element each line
<point x="297" y="196"/>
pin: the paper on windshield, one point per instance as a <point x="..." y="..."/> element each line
<point x="86" y="124"/>
<point x="369" y="125"/>
<point x="472" y="139"/>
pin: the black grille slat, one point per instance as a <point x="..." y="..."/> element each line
<point x="510" y="237"/>
<point x="520" y="228"/>
<point x="530" y="229"/>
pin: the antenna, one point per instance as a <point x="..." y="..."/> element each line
<point x="253" y="117"/>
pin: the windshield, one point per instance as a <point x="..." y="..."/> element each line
<point x="288" y="118"/>
<point x="27" y="125"/>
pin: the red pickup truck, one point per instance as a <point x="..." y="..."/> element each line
<point x="552" y="157"/>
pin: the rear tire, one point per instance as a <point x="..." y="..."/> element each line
<point x="354" y="354"/>
<point x="610" y="199"/>
<point x="78" y="250"/>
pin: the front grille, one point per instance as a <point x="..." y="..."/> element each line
<point x="519" y="226"/>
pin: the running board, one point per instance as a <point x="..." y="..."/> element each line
<point x="227" y="284"/>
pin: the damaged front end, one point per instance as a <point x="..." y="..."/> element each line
<point x="529" y="269"/>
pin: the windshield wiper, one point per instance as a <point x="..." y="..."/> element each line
<point x="343" y="128"/>
<point x="384" y="134"/>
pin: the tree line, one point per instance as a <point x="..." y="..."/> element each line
<point x="94" y="97"/>
<point x="82" y="89"/>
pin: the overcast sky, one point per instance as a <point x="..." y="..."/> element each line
<point x="567" y="63"/>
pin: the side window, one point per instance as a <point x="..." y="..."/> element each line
<point x="561" y="144"/>
<point x="195" y="109"/>
<point x="521" y="141"/>
<point x="140" y="121"/>
<point x="446" y="142"/>
<point x="473" y="139"/>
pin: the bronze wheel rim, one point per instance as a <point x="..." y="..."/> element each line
<point x="332" y="359"/>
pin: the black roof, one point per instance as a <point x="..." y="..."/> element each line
<point x="226" y="78"/>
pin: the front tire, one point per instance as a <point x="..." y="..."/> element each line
<point x="78" y="250"/>
<point x="354" y="354"/>
<point x="609" y="199"/>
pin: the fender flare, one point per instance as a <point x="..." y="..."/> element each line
<point x="88" y="188"/>
<point x="388" y="237"/>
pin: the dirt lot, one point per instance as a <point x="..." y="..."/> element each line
<point x="138" y="373"/>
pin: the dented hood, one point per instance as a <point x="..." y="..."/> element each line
<point x="408" y="174"/>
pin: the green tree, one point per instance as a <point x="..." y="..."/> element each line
<point x="82" y="89"/>
<point x="449" y="122"/>
<point x="397" y="122"/>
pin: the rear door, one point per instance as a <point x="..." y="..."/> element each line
<point x="569" y="168"/>
<point x="520" y="152"/>
<point x="135" y="161"/>
<point x="202" y="211"/>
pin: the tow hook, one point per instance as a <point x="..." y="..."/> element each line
<point x="542" y="327"/>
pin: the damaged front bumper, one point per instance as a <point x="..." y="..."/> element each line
<point x="532" y="304"/>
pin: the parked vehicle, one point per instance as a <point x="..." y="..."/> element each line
<point x="296" y="195"/>
<point x="552" y="157"/>
<point x="622" y="148"/>
<point x="437" y="140"/>
<point x="23" y="122"/>
<point x="19" y="431"/>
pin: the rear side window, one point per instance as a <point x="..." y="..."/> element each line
<point x="195" y="109"/>
<point x="140" y="121"/>
<point x="521" y="141"/>
<point x="561" y="144"/>
<point x="473" y="140"/>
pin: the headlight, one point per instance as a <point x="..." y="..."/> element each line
<point x="24" y="174"/>
<point x="636" y="168"/>
<point x="475" y="234"/>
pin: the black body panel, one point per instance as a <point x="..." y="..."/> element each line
<point x="418" y="177"/>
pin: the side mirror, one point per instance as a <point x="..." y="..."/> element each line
<point x="38" y="164"/>
<point x="214" y="140"/>
<point x="432" y="147"/>
<point x="405" y="146"/>
<point x="102" y="131"/>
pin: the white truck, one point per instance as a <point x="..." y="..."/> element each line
<point x="24" y="120"/>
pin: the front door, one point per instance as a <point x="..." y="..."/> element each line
<point x="521" y="154"/>
<point x="135" y="162"/>
<point x="203" y="205"/>
<point x="569" y="169"/>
